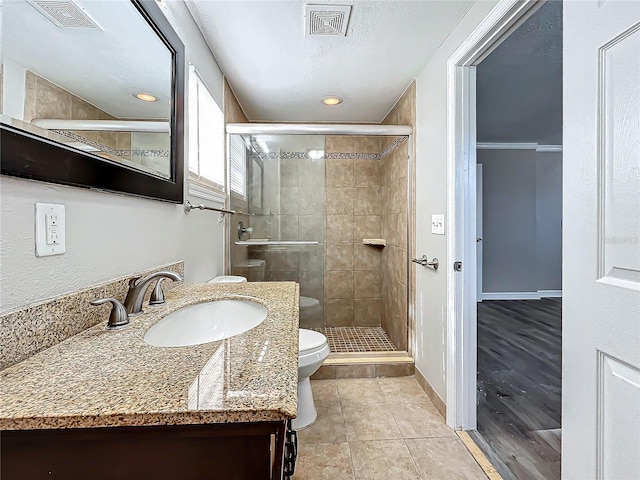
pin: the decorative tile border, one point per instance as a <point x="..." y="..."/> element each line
<point x="110" y="150"/>
<point x="395" y="144"/>
<point x="29" y="330"/>
<point x="352" y="156"/>
<point x="332" y="156"/>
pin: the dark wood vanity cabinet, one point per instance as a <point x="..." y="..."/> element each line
<point x="233" y="451"/>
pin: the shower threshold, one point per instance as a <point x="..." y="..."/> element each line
<point x="366" y="365"/>
<point x="363" y="352"/>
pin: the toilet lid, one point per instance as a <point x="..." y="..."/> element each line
<point x="310" y="340"/>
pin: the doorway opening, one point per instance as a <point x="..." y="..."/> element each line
<point x="519" y="248"/>
<point x="505" y="202"/>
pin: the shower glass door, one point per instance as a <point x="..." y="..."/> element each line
<point x="331" y="213"/>
<point x="277" y="234"/>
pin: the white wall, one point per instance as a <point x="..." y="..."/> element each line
<point x="549" y="220"/>
<point x="522" y="220"/>
<point x="431" y="198"/>
<point x="108" y="235"/>
<point x="509" y="233"/>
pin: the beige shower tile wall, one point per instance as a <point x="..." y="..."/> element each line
<point x="353" y="282"/>
<point x="44" y="99"/>
<point x="395" y="227"/>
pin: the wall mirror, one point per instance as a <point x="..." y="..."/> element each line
<point x="92" y="96"/>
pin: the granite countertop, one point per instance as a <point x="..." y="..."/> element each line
<point x="105" y="378"/>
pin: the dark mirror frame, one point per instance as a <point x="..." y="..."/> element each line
<point x="26" y="155"/>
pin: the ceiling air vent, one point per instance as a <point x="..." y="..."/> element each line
<point x="327" y="19"/>
<point x="66" y="14"/>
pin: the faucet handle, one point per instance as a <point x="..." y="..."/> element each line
<point x="118" y="317"/>
<point x="157" y="296"/>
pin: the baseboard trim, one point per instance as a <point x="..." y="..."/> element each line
<point x="431" y="393"/>
<point x="550" y="293"/>
<point x="521" y="295"/>
<point x="510" y="296"/>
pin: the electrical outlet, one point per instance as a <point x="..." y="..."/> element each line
<point x="50" y="229"/>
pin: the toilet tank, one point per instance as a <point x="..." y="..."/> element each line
<point x="253" y="269"/>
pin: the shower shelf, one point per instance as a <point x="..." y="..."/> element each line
<point x="375" y="242"/>
<point x="277" y="243"/>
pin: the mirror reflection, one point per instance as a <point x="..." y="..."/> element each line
<point x="91" y="75"/>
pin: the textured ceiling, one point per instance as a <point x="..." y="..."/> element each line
<point x="280" y="74"/>
<point x="519" y="86"/>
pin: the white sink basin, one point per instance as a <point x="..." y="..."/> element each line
<point x="206" y="322"/>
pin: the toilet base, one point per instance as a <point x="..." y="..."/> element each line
<point x="307" y="412"/>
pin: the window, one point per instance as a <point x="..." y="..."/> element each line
<point x="206" y="142"/>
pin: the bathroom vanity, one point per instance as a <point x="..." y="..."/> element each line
<point x="105" y="404"/>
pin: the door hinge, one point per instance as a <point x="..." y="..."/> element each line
<point x="457" y="266"/>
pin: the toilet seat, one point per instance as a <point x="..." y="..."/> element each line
<point x="310" y="342"/>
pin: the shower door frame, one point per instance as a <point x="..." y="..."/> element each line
<point x="351" y="130"/>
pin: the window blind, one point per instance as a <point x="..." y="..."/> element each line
<point x="237" y="165"/>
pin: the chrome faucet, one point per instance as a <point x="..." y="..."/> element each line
<point x="138" y="287"/>
<point x="118" y="317"/>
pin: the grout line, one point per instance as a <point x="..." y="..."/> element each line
<point x="344" y="425"/>
<point x="413" y="459"/>
<point x="480" y="458"/>
<point x="404" y="439"/>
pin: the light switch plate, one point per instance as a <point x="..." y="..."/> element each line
<point x="437" y="224"/>
<point x="50" y="229"/>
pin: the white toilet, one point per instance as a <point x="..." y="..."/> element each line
<point x="253" y="269"/>
<point x="313" y="350"/>
<point x="310" y="311"/>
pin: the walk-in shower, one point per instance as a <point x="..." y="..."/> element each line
<point x="326" y="206"/>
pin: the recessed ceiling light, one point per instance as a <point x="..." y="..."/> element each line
<point x="145" y="97"/>
<point x="315" y="154"/>
<point x="332" y="100"/>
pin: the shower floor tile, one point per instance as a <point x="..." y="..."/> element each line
<point x="357" y="339"/>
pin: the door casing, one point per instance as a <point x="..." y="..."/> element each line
<point x="461" y="336"/>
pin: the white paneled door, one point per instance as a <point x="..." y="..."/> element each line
<point x="601" y="244"/>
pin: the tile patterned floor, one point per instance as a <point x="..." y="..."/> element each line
<point x="357" y="339"/>
<point x="384" y="428"/>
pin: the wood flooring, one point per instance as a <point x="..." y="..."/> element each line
<point x="519" y="384"/>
